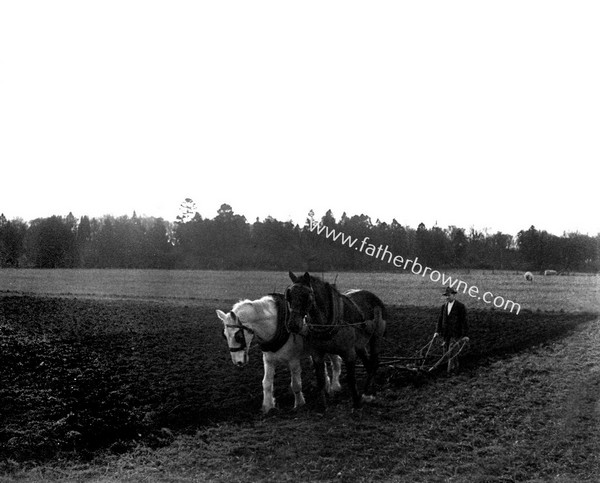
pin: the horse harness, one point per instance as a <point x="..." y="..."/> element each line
<point x="327" y="331"/>
<point x="239" y="334"/>
<point x="281" y="335"/>
<point x="277" y="341"/>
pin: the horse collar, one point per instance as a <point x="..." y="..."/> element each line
<point x="281" y="335"/>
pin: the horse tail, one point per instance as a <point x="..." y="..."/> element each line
<point x="366" y="302"/>
<point x="375" y="302"/>
<point x="379" y="304"/>
<point x="379" y="325"/>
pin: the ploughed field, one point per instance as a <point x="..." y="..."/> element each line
<point x="80" y="377"/>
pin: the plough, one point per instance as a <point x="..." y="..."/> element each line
<point x="426" y="360"/>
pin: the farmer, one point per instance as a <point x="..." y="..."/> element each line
<point x="452" y="324"/>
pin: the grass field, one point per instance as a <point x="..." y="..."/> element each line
<point x="568" y="293"/>
<point x="114" y="375"/>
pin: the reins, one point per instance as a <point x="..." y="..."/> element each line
<point x="342" y="323"/>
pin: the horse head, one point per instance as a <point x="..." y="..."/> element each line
<point x="238" y="337"/>
<point x="300" y="298"/>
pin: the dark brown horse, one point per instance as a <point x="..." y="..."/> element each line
<point x="350" y="324"/>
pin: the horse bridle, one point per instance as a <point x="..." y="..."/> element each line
<point x="290" y="310"/>
<point x="239" y="334"/>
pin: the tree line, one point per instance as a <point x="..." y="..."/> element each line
<point x="229" y="241"/>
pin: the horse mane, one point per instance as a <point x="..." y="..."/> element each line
<point x="327" y="285"/>
<point x="263" y="307"/>
<point x="334" y="293"/>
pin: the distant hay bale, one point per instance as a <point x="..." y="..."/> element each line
<point x="528" y="276"/>
<point x="550" y="272"/>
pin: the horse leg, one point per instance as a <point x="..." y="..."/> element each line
<point x="373" y="358"/>
<point x="336" y="371"/>
<point x="319" y="363"/>
<point x="332" y="384"/>
<point x="327" y="379"/>
<point x="296" y="382"/>
<point x="267" y="383"/>
<point x="350" y="361"/>
<point x="368" y="363"/>
<point x="328" y="389"/>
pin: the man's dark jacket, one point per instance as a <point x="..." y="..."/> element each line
<point x="453" y="324"/>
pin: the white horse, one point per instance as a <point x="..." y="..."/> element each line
<point x="264" y="320"/>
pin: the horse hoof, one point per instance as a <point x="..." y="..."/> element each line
<point x="368" y="398"/>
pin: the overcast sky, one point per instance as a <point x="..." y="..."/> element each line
<point x="475" y="114"/>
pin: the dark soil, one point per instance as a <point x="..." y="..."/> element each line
<point x="81" y="376"/>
